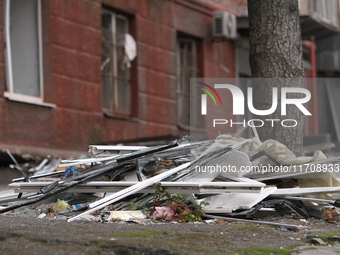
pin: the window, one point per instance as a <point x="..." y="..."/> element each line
<point x="187" y="67"/>
<point x="115" y="73"/>
<point x="23" y="50"/>
<point x="327" y="10"/>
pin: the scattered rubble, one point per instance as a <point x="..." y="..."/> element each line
<point x="230" y="178"/>
<point x="318" y="241"/>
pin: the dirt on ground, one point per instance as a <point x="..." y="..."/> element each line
<point x="20" y="235"/>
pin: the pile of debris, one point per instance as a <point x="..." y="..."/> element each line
<point x="229" y="178"/>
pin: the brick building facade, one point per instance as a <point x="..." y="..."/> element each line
<point x="66" y="83"/>
<point x="67" y="109"/>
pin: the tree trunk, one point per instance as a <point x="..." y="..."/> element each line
<point x="276" y="52"/>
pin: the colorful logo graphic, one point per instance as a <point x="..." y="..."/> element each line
<point x="239" y="104"/>
<point x="209" y="93"/>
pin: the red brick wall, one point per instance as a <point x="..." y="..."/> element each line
<point x="72" y="55"/>
<point x="75" y="48"/>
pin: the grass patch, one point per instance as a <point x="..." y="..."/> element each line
<point x="176" y="242"/>
<point x="263" y="251"/>
<point x="94" y="251"/>
<point x="146" y="234"/>
<point x="324" y="234"/>
<point x="238" y="224"/>
<point x="123" y="250"/>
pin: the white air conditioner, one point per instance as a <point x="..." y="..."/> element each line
<point x="224" y="25"/>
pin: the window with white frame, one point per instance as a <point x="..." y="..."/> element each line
<point x="328" y="11"/>
<point x="23" y="50"/>
<point x="187" y="67"/>
<point x="115" y="74"/>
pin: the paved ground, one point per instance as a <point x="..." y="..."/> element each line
<point x="28" y="235"/>
<point x="20" y="235"/>
<point x="321" y="250"/>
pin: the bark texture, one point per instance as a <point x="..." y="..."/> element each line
<point x="276" y="53"/>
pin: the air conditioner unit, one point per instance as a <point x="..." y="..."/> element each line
<point x="224" y="25"/>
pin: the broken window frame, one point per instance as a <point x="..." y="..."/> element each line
<point x="10" y="93"/>
<point x="120" y="102"/>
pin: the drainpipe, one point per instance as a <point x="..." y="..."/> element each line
<point x="314" y="91"/>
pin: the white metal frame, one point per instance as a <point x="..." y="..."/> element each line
<point x="172" y="187"/>
<point x="10" y="94"/>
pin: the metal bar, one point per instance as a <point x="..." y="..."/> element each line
<point x="171" y="187"/>
<point x="151" y="190"/>
<point x="314" y="89"/>
<point x="255" y="131"/>
<point x="242" y="184"/>
<point x="9" y="66"/>
<point x="116" y="148"/>
<point x="12" y="157"/>
<point x="120" y="158"/>
<point x="305" y="191"/>
<point x="86" y="161"/>
<point x="310" y="199"/>
<point x="39" y="176"/>
<point x="41" y="63"/>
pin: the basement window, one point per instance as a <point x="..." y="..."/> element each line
<point x="23" y="51"/>
<point x="116" y="96"/>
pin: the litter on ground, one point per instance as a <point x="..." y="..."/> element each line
<point x="229" y="178"/>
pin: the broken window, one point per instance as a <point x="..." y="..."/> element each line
<point x="23" y="50"/>
<point x="187" y="67"/>
<point x="115" y="69"/>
